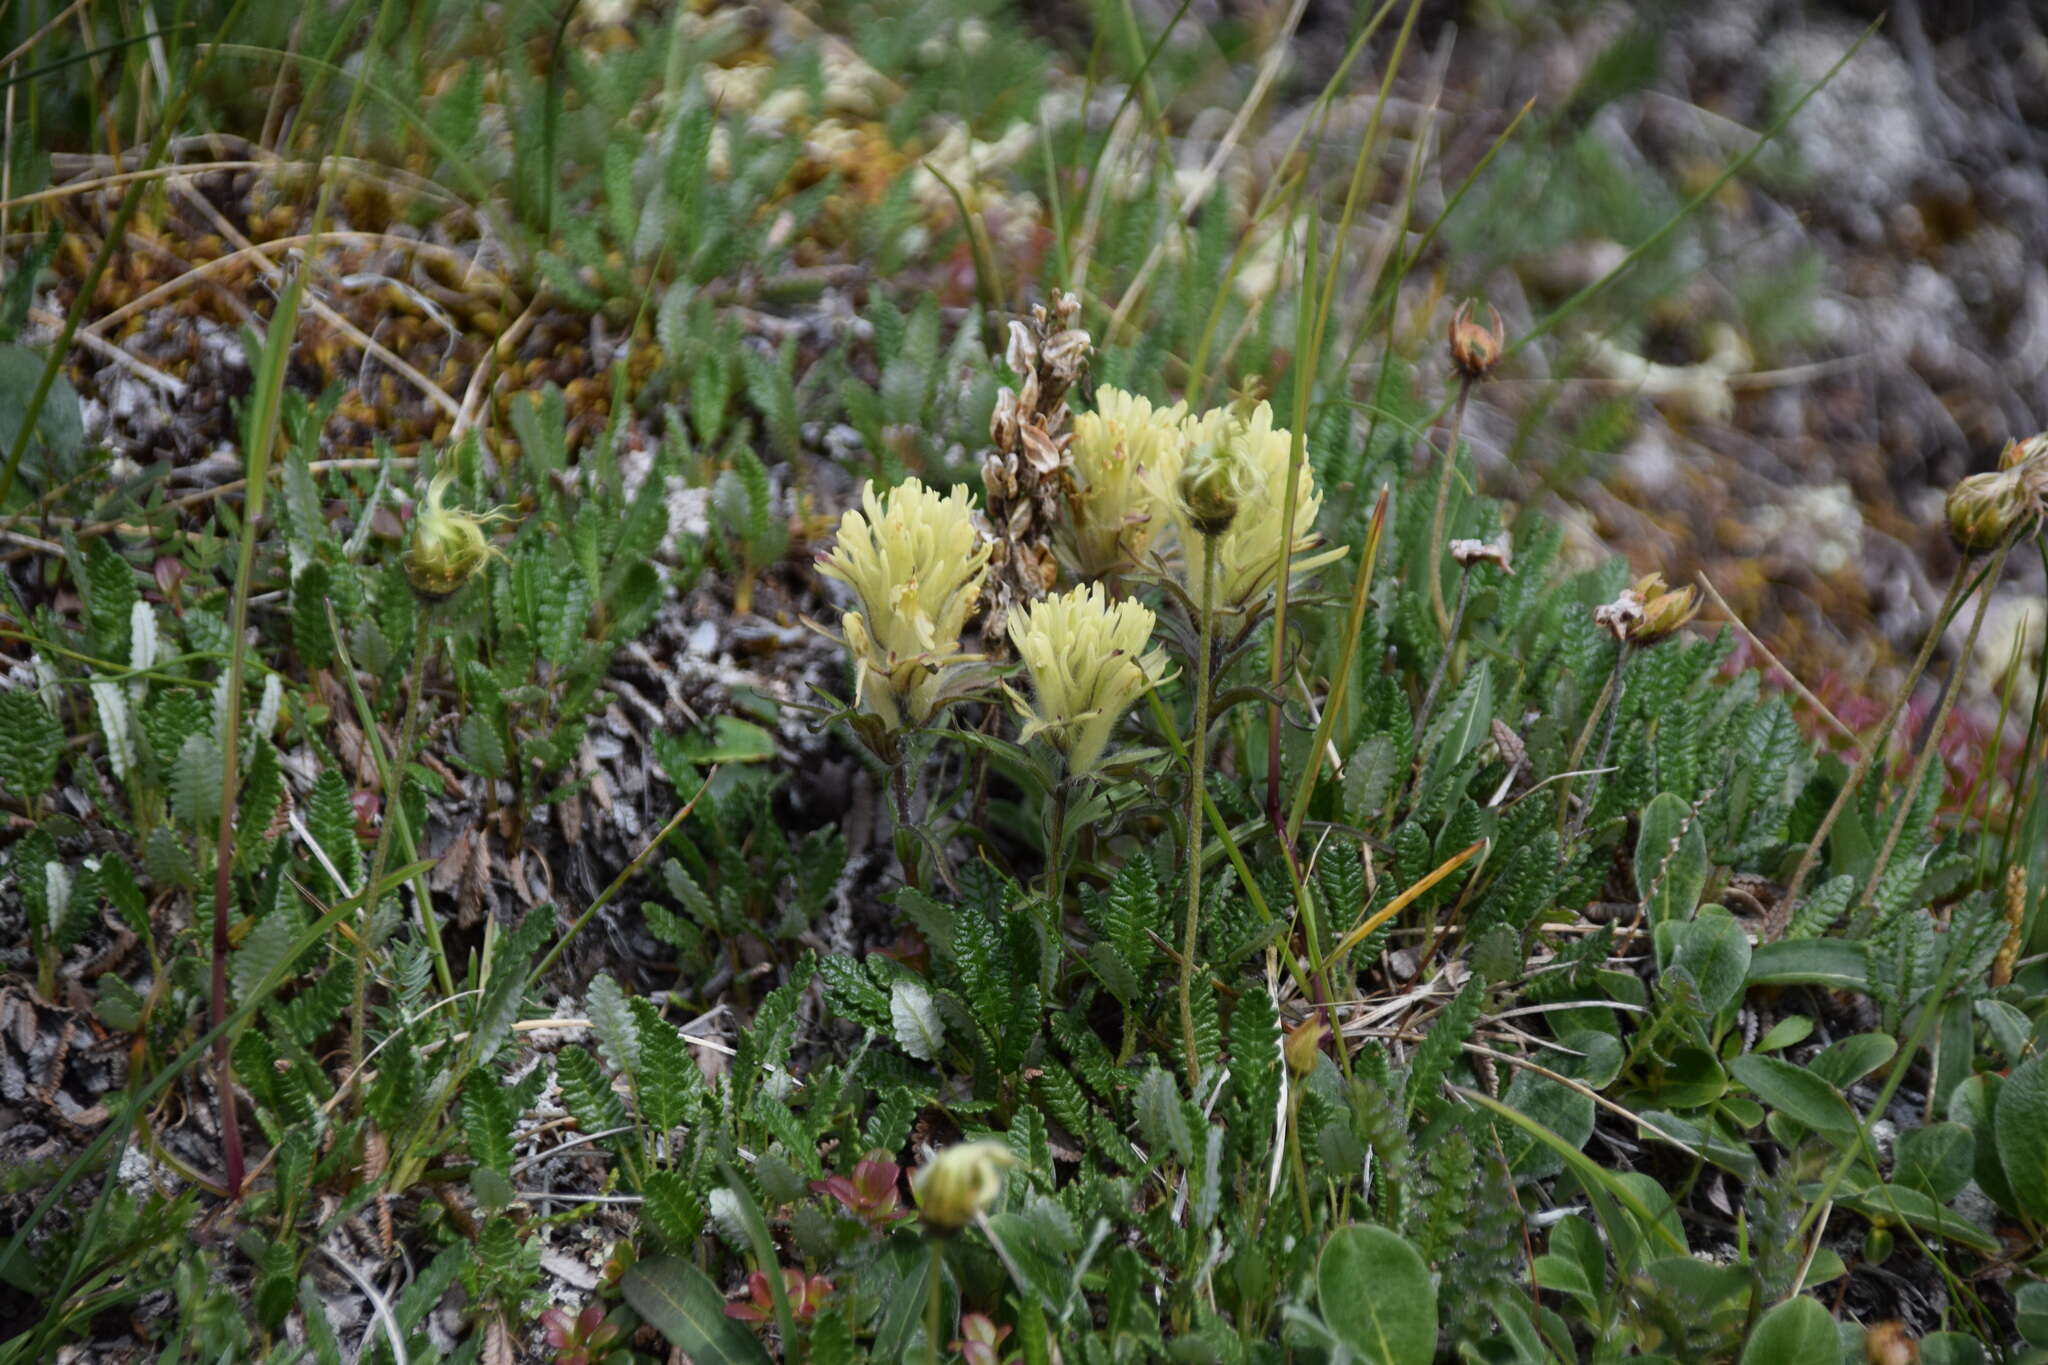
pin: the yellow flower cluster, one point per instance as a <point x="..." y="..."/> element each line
<point x="1150" y="479"/>
<point x="1114" y="518"/>
<point x="917" y="564"/>
<point x="1239" y="458"/>
<point x="1087" y="661"/>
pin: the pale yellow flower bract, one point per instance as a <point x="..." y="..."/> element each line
<point x="1115" y="514"/>
<point x="917" y="564"/>
<point x="1088" y="663"/>
<point x="1248" y="552"/>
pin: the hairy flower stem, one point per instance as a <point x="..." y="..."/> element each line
<point x="1443" y="502"/>
<point x="1443" y="660"/>
<point x="1612" y="694"/>
<point x="1197" y="779"/>
<point x="1868" y="751"/>
<point x="1930" y="745"/>
<point x="906" y="841"/>
<point x="394" y="812"/>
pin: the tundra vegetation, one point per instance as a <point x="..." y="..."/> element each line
<point x="835" y="683"/>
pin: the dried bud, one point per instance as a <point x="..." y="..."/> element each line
<point x="1475" y="350"/>
<point x="1665" y="609"/>
<point x="1470" y="552"/>
<point x="448" y="545"/>
<point x="1984" y="508"/>
<point x="1021" y="355"/>
<point x="1304" y="1043"/>
<point x="959" y="1184"/>
<point x="1620" y="617"/>
<point x="2016" y="453"/>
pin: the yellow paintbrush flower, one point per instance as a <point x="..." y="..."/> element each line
<point x="917" y="564"/>
<point x="1114" y="516"/>
<point x="1088" y="663"/>
<point x="1240" y="457"/>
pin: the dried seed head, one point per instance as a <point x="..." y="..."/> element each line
<point x="1620" y="617"/>
<point x="1475" y="349"/>
<point x="1890" y="1343"/>
<point x="2034" y="449"/>
<point x="1470" y="552"/>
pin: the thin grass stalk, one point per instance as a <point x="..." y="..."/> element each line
<point x="1197" y="788"/>
<point x="1870" y="749"/>
<point x="260" y="439"/>
<point x="1930" y="745"/>
<point x="1304" y="381"/>
<point x="1308" y="352"/>
<point x="1340" y="685"/>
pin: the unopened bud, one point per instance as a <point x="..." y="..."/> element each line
<point x="448" y="546"/>
<point x="1304" y="1043"/>
<point x="1982" y="510"/>
<point x="1475" y="349"/>
<point x="1212" y="486"/>
<point x="959" y="1184"/>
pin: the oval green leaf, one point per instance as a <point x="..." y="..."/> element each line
<point x="1796" y="1332"/>
<point x="2021" y="1125"/>
<point x="1377" y="1297"/>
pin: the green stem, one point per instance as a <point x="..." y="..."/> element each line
<point x="1869" y="750"/>
<point x="1443" y="502"/>
<point x="1443" y="660"/>
<point x="935" y="1291"/>
<point x="1197" y="786"/>
<point x="1593" y="717"/>
<point x="394" y="814"/>
<point x="1606" y="737"/>
<point x="1930" y="745"/>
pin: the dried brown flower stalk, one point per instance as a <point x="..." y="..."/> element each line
<point x="1027" y="472"/>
